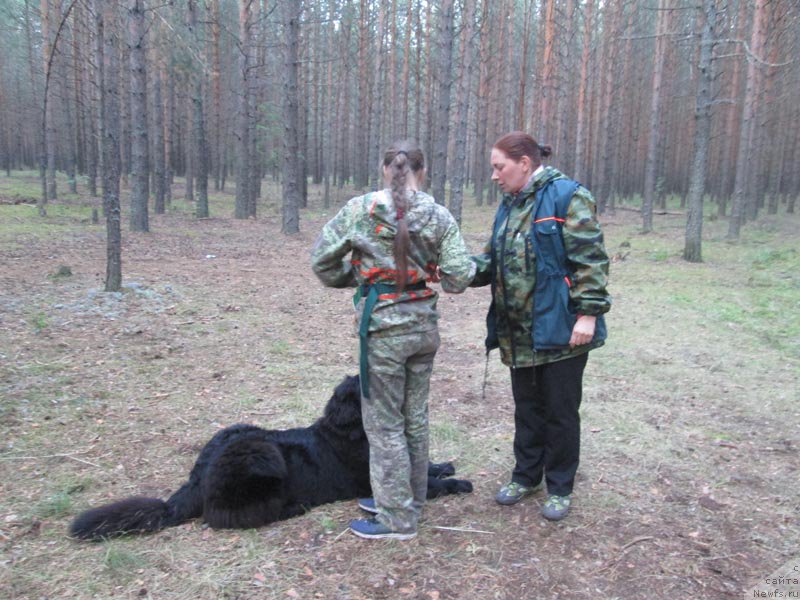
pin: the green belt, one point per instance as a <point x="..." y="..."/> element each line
<point x="371" y="292"/>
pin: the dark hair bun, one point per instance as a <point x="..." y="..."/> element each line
<point x="545" y="151"/>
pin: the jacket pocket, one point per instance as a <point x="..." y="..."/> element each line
<point x="554" y="315"/>
<point x="551" y="247"/>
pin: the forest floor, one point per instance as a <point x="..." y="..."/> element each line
<point x="688" y="486"/>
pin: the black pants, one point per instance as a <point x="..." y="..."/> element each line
<point x="547" y="434"/>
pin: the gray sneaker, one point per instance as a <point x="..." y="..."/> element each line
<point x="514" y="492"/>
<point x="556" y="507"/>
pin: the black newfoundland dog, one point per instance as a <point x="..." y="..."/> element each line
<point x="247" y="476"/>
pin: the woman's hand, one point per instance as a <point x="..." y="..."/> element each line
<point x="434" y="274"/>
<point x="583" y="332"/>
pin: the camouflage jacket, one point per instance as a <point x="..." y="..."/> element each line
<point x="537" y="294"/>
<point x="356" y="248"/>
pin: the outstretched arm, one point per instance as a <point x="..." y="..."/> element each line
<point x="455" y="266"/>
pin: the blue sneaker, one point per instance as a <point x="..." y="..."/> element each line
<point x="368" y="505"/>
<point x="372" y="529"/>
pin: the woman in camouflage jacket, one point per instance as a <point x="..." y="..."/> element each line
<point x="548" y="270"/>
<point x="388" y="243"/>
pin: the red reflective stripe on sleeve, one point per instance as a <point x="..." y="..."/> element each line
<point x="569" y="283"/>
<point x="549" y="219"/>
<point x="388" y="296"/>
<point x="372" y="208"/>
<point x="378" y="228"/>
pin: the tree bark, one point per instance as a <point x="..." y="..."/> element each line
<point x="291" y="167"/>
<point x="158" y="145"/>
<point x="216" y="88"/>
<point x="140" y="161"/>
<point x="459" y="165"/>
<point x="108" y="65"/>
<point x="543" y="126"/>
<point x="49" y="135"/>
<point x="748" y="119"/>
<point x="651" y="162"/>
<point x="444" y="73"/>
<point x="377" y="113"/>
<point x="242" y="117"/>
<point x="692" y="251"/>
<point x="581" y="129"/>
<point x="482" y="117"/>
<point x="201" y="150"/>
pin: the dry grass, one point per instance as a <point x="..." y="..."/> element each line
<point x="690" y="463"/>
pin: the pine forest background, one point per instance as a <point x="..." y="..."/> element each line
<point x="640" y="100"/>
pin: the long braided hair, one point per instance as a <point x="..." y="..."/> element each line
<point x="400" y="159"/>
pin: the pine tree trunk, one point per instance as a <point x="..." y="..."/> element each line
<point x="216" y="88"/>
<point x="740" y="195"/>
<point x="519" y="121"/>
<point x="158" y="145"/>
<point x="242" y="117"/>
<point x="444" y="73"/>
<point x="459" y="165"/>
<point x="108" y="65"/>
<point x="581" y="128"/>
<point x="482" y="117"/>
<point x="188" y="148"/>
<point x="291" y="143"/>
<point x="140" y="162"/>
<point x="71" y="165"/>
<point x="49" y="132"/>
<point x="692" y="250"/>
<point x="406" y="71"/>
<point x="547" y="92"/>
<point x="92" y="104"/>
<point x="201" y="150"/>
<point x="169" y="138"/>
<point x="80" y="104"/>
<point x="429" y="95"/>
<point x="377" y="114"/>
<point x="361" y="157"/>
<point x="651" y="163"/>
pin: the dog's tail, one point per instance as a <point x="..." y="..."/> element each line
<point x="138" y="515"/>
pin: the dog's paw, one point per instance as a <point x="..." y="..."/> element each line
<point x="459" y="486"/>
<point x="441" y="470"/>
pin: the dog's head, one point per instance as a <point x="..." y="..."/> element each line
<point x="343" y="411"/>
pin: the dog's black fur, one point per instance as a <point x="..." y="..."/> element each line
<point x="246" y="476"/>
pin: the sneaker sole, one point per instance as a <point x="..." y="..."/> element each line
<point x="551" y="517"/>
<point x="368" y="509"/>
<point x="394" y="535"/>
<point x="510" y="501"/>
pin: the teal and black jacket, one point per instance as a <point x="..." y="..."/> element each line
<point x="546" y="264"/>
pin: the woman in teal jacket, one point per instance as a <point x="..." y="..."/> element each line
<point x="548" y="269"/>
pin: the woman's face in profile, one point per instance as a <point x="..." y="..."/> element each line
<point x="509" y="174"/>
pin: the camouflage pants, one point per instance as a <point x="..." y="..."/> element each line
<point x="396" y="422"/>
